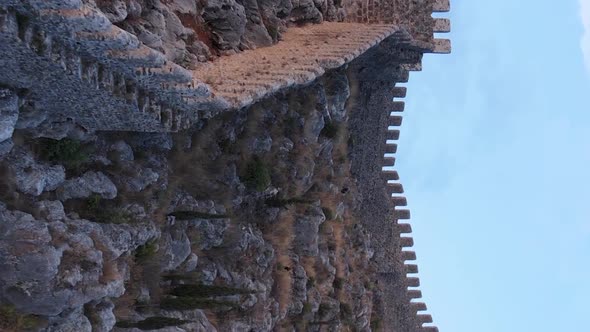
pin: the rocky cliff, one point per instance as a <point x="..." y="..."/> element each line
<point x="273" y="214"/>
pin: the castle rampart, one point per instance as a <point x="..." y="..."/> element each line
<point x="102" y="77"/>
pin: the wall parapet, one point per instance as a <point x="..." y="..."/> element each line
<point x="167" y="97"/>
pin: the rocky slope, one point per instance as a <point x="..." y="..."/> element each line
<point x="246" y="222"/>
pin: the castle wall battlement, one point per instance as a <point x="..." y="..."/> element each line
<point x="162" y="96"/>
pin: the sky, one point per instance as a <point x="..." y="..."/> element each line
<point x="494" y="156"/>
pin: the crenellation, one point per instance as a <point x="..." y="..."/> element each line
<point x="442" y="25"/>
<point x="424" y="318"/>
<point x="401" y="214"/>
<point x="442" y="46"/>
<point x="397" y="106"/>
<point x="390" y="148"/>
<point x="404" y="228"/>
<point x="413" y="282"/>
<point x="406" y="242"/>
<point x="399" y="201"/>
<point x="418" y="306"/>
<point x="399" y="92"/>
<point x="395" y="120"/>
<point x="395" y="188"/>
<point x="408" y="256"/>
<point x="411" y="269"/>
<point x="414" y="294"/>
<point x="392" y="135"/>
<point x="439" y="6"/>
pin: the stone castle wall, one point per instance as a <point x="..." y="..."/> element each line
<point x="121" y="84"/>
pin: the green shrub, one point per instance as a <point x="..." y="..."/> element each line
<point x="306" y="307"/>
<point x="97" y="210"/>
<point x="65" y="151"/>
<point x="188" y="215"/>
<point x="280" y="266"/>
<point x="257" y="175"/>
<point x="323" y="309"/>
<point x="310" y="282"/>
<point x="338" y="283"/>
<point x="345" y="311"/>
<point x="152" y="323"/>
<point x="147" y="250"/>
<point x="328" y="213"/>
<point x="375" y="324"/>
<point x="200" y="291"/>
<point x="330" y="130"/>
<point x="279" y="202"/>
<point x="190" y="303"/>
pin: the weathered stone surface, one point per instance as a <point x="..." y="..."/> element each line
<point x="135" y="177"/>
<point x="5" y="148"/>
<point x="306" y="230"/>
<point x="86" y="185"/>
<point x="227" y="21"/>
<point x="115" y="10"/>
<point x="50" y="210"/>
<point x="175" y="246"/>
<point x="71" y="321"/>
<point x="101" y="315"/>
<point x="123" y="150"/>
<point x="304" y="11"/>
<point x="31" y="177"/>
<point x="49" y="268"/>
<point x="8" y="113"/>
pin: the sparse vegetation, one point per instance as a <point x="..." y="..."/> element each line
<point x="306" y="308"/>
<point x="338" y="283"/>
<point x="328" y="213"/>
<point x="98" y="211"/>
<point x="345" y="311"/>
<point x="375" y="324"/>
<point x="148" y="250"/>
<point x="310" y="282"/>
<point x="279" y="202"/>
<point x="66" y="151"/>
<point x="257" y="175"/>
<point x="330" y="130"/>
<point x="11" y="320"/>
<point x="189" y="303"/>
<point x="187" y="215"/>
<point x="201" y="291"/>
<point x="152" y="323"/>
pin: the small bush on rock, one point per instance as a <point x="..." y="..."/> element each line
<point x="188" y="215"/>
<point x="66" y="151"/>
<point x="257" y="175"/>
<point x="330" y="130"/>
<point x="148" y="250"/>
<point x="206" y="291"/>
<point x="11" y="320"/>
<point x="190" y="303"/>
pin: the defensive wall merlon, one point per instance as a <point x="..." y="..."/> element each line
<point x="395" y="191"/>
<point x="115" y="82"/>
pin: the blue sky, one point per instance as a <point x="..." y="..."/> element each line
<point x="494" y="156"/>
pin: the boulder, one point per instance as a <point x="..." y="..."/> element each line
<point x="8" y="113"/>
<point x="51" y="268"/>
<point x="89" y="183"/>
<point x="306" y="230"/>
<point x="226" y="20"/>
<point x="50" y="210"/>
<point x="31" y="177"/>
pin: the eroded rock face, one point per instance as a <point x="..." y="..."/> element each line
<point x="86" y="185"/>
<point x="8" y="113"/>
<point x="77" y="260"/>
<point x="33" y="177"/>
<point x="227" y="21"/>
<point x="306" y="231"/>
